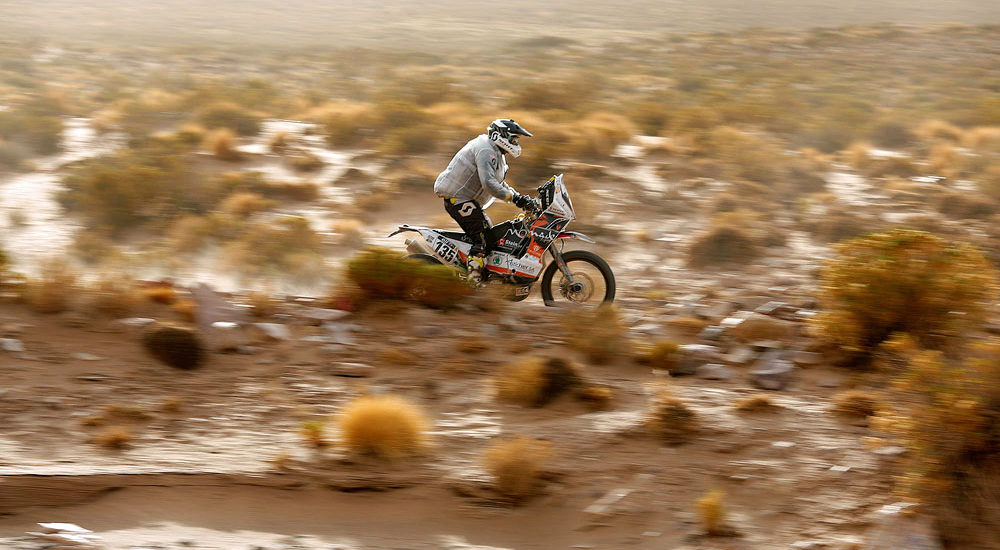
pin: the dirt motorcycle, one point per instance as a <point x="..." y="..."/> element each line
<point x="520" y="244"/>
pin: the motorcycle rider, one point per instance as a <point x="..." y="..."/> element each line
<point x="476" y="173"/>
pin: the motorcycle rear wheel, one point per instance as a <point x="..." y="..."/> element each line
<point x="593" y="282"/>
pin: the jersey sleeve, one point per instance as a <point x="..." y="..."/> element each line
<point x="488" y="163"/>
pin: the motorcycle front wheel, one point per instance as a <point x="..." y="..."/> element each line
<point x="592" y="281"/>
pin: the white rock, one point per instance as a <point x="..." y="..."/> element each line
<point x="274" y="331"/>
<point x="11" y="345"/>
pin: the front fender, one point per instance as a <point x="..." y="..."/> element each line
<point x="575" y="235"/>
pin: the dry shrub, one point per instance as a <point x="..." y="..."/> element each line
<point x="948" y="414"/>
<point x="839" y="223"/>
<point x="94" y="247"/>
<point x="314" y="432"/>
<point x="536" y="382"/>
<point x="982" y="138"/>
<point x="938" y="130"/>
<point x="856" y="403"/>
<point x="161" y="294"/>
<point x="517" y="466"/>
<point x="661" y="355"/>
<point x="172" y="404"/>
<point x="262" y="304"/>
<point x="597" y="398"/>
<point x="186" y="309"/>
<point x="304" y="161"/>
<point x="901" y="281"/>
<point x="222" y="144"/>
<point x="989" y="182"/>
<point x="278" y="142"/>
<point x="891" y="133"/>
<point x="55" y="288"/>
<point x="178" y="347"/>
<point x="687" y="325"/>
<point x="230" y="117"/>
<point x="598" y="134"/>
<point x="723" y="244"/>
<point x="944" y="160"/>
<point x="712" y="512"/>
<point x="188" y="234"/>
<point x="115" y="296"/>
<point x="349" y="232"/>
<point x="671" y="419"/>
<point x="114" y="437"/>
<point x="858" y="155"/>
<point x="745" y="156"/>
<point x="963" y="205"/>
<point x="243" y="205"/>
<point x="597" y="333"/>
<point x="385" y="426"/>
<point x="760" y="402"/>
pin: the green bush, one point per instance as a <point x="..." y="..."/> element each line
<point x="382" y="275"/>
<point x="902" y="281"/>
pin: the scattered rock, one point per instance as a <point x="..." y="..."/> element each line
<point x="714" y="371"/>
<point x="137" y="322"/>
<point x="740" y="355"/>
<point x="86" y="357"/>
<point x="318" y="316"/>
<point x="692" y="356"/>
<point x="761" y="327"/>
<point x="273" y="331"/>
<point x="603" y="506"/>
<point x="712" y="333"/>
<point x="898" y="529"/>
<point x="350" y="370"/>
<point x="178" y="347"/>
<point x="213" y="307"/>
<point x="806" y="358"/>
<point x="11" y="344"/>
<point x="226" y="336"/>
<point x="772" y="372"/>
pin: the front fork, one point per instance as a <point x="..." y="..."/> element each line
<point x="557" y="258"/>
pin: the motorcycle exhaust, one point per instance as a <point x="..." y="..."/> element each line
<point x="417" y="247"/>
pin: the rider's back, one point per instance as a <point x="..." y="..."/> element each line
<point x="461" y="179"/>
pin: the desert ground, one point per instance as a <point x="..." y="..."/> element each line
<point x="226" y="193"/>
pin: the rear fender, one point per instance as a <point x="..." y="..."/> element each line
<point x="403" y="229"/>
<point x="575" y="235"/>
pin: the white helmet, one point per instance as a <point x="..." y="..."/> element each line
<point x="504" y="132"/>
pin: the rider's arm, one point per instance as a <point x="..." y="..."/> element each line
<point x="488" y="163"/>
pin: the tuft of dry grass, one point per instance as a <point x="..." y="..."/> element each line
<point x="115" y="296"/>
<point x="54" y="289"/>
<point x="314" y="432"/>
<point x="172" y="404"/>
<point x="662" y="355"/>
<point x="856" y="403"/>
<point x="161" y="294"/>
<point x="535" y="382"/>
<point x="597" y="398"/>
<point x="517" y="466"/>
<point x="114" y="437"/>
<point x="724" y="243"/>
<point x="712" y="512"/>
<point x="671" y="419"/>
<point x="243" y="204"/>
<point x="385" y="426"/>
<point x="760" y="402"/>
<point x="222" y="144"/>
<point x="599" y="333"/>
<point x="186" y="309"/>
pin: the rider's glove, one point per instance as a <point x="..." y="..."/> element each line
<point x="524" y="202"/>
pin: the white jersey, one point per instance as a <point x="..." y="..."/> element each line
<point x="476" y="173"/>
